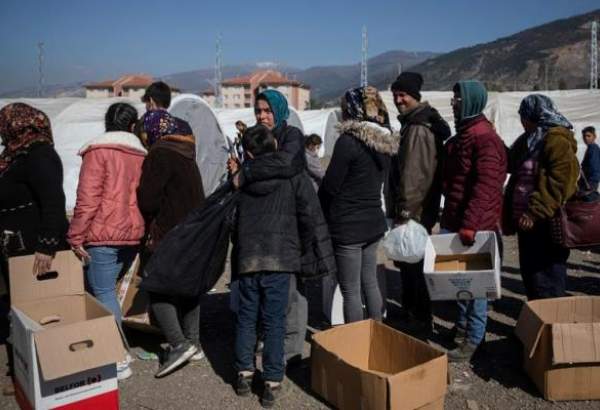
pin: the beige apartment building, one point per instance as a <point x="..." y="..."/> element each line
<point x="131" y="86"/>
<point x="240" y="92"/>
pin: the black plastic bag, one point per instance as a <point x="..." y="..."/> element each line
<point x="190" y="258"/>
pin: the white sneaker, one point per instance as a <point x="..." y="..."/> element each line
<point x="123" y="370"/>
<point x="198" y="356"/>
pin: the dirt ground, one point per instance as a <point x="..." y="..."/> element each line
<point x="494" y="379"/>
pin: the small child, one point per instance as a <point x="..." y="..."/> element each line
<point x="275" y="224"/>
<point x="313" y="163"/>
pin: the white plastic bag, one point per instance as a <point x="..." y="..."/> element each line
<point x="406" y="243"/>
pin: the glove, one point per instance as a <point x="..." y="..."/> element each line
<point x="467" y="236"/>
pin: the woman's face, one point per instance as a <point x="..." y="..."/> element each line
<point x="528" y="125"/>
<point x="264" y="115"/>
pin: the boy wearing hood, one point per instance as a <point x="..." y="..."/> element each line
<point x="278" y="220"/>
<point x="474" y="175"/>
<point x="415" y="182"/>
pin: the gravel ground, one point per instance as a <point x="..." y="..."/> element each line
<point x="494" y="380"/>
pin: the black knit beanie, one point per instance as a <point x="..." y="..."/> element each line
<point x="410" y="83"/>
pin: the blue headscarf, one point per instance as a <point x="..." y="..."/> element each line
<point x="541" y="110"/>
<point x="474" y="98"/>
<point x="278" y="104"/>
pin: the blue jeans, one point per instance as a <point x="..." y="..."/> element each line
<point x="264" y="294"/>
<point x="106" y="263"/>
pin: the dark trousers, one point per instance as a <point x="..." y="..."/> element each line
<point x="296" y="320"/>
<point x="178" y="318"/>
<point x="415" y="297"/>
<point x="543" y="263"/>
<point x="262" y="296"/>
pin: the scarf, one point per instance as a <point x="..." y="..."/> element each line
<point x="365" y="104"/>
<point x="541" y="110"/>
<point x="473" y="98"/>
<point x="278" y="105"/>
<point x="21" y="126"/>
<point x="159" y="124"/>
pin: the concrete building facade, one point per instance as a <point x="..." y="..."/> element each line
<point x="131" y="86"/>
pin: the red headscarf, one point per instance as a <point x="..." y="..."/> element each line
<point x="21" y="126"/>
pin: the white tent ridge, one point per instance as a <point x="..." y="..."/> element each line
<point x="323" y="123"/>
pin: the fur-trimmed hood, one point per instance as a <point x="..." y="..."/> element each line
<point x="374" y="136"/>
<point x="122" y="140"/>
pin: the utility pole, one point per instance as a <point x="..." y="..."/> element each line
<point x="399" y="68"/>
<point x="40" y="69"/>
<point x="363" y="64"/>
<point x="546" y="76"/>
<point x="594" y="58"/>
<point x="218" y="74"/>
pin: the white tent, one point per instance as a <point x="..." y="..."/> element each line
<point x="323" y="123"/>
<point x="78" y="120"/>
<point x="211" y="144"/>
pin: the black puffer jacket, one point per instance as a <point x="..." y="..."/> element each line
<point x="352" y="188"/>
<point x="280" y="226"/>
<point x="285" y="163"/>
<point x="32" y="203"/>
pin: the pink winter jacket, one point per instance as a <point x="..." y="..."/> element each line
<point x="106" y="211"/>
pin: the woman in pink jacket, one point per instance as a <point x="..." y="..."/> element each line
<point x="107" y="226"/>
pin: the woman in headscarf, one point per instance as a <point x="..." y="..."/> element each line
<point x="473" y="177"/>
<point x="544" y="171"/>
<point x="32" y="201"/>
<point x="170" y="187"/>
<point x="350" y="195"/>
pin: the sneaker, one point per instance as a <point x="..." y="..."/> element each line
<point x="175" y="358"/>
<point x="198" y="356"/>
<point x="243" y="384"/>
<point x="123" y="370"/>
<point x="270" y="394"/>
<point x="463" y="353"/>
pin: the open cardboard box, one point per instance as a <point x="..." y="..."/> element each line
<point x="381" y="368"/>
<point x="65" y="343"/>
<point x="454" y="271"/>
<point x="561" y="346"/>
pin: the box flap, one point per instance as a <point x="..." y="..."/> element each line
<point x="529" y="328"/>
<point x="575" y="343"/>
<point x="65" y="350"/>
<point x="407" y="388"/>
<point x="66" y="278"/>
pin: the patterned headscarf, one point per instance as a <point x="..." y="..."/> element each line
<point x="21" y="126"/>
<point x="159" y="124"/>
<point x="278" y="104"/>
<point x="365" y="104"/>
<point x="541" y="110"/>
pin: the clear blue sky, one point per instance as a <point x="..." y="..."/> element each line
<point x="96" y="40"/>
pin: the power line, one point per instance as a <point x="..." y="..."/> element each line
<point x="40" y="69"/>
<point x="363" y="63"/>
<point x="594" y="58"/>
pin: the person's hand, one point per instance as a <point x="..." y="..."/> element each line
<point x="82" y="254"/>
<point x="236" y="180"/>
<point x="42" y="263"/>
<point x="467" y="236"/>
<point x="526" y="222"/>
<point x="233" y="165"/>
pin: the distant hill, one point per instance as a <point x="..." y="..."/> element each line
<point x="560" y="48"/>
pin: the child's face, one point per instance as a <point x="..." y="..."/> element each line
<point x="589" y="138"/>
<point x="314" y="148"/>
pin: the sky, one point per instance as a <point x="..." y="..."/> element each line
<point x="97" y="40"/>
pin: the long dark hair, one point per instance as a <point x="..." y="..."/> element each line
<point x="120" y="117"/>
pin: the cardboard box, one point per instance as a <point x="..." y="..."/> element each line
<point x="381" y="368"/>
<point x="134" y="302"/>
<point x="561" y="346"/>
<point x="457" y="272"/>
<point x="65" y="343"/>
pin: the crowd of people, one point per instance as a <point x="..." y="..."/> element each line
<point x="139" y="179"/>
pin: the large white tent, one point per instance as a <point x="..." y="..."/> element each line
<point x="75" y="121"/>
<point x="323" y="123"/>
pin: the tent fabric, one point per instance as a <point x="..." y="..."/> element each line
<point x="323" y="123"/>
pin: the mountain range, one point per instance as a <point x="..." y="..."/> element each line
<point x="555" y="55"/>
